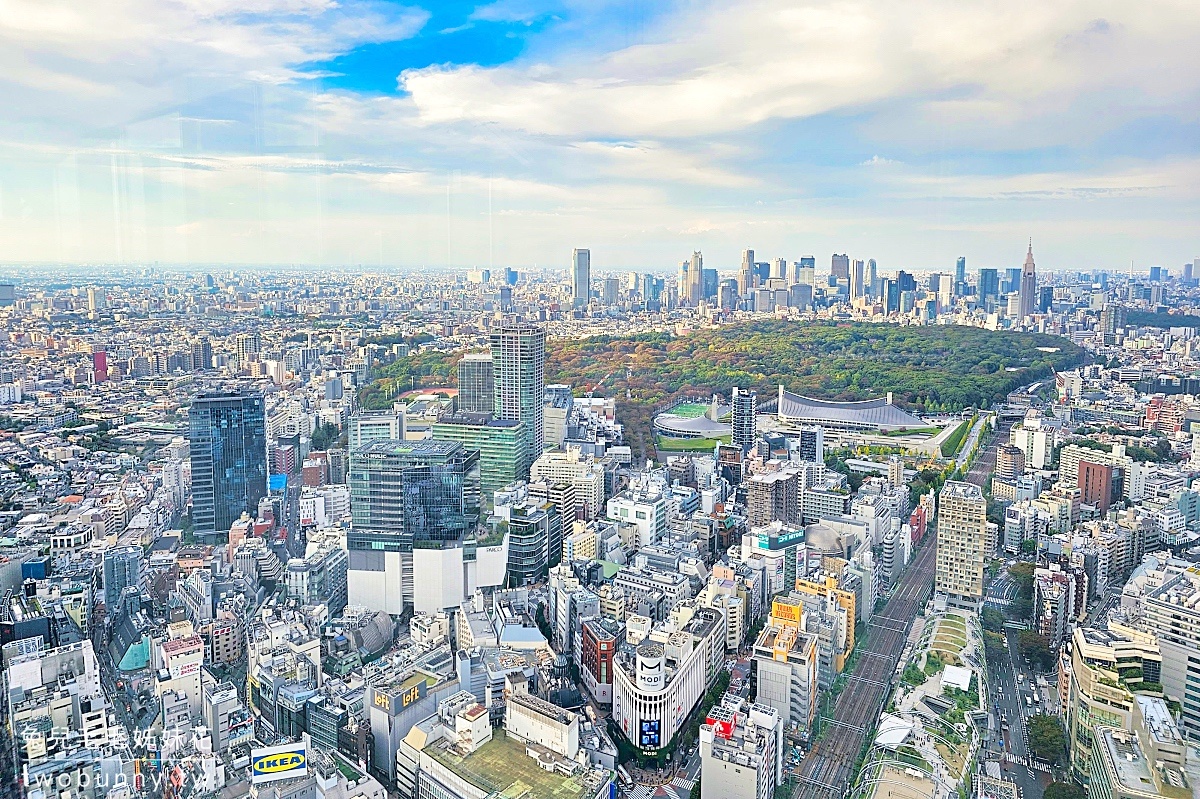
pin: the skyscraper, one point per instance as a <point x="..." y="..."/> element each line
<point x="806" y="270"/>
<point x="476" y="391"/>
<point x="962" y="543"/>
<point x="228" y="438"/>
<point x="745" y="418"/>
<point x="989" y="286"/>
<point x="695" y="279"/>
<point x="412" y="504"/>
<point x="858" y="276"/>
<point x="840" y="267"/>
<point x="500" y="443"/>
<point x="122" y="567"/>
<point x="581" y="277"/>
<point x="1028" y="289"/>
<point x="519" y="380"/>
<point x="746" y="276"/>
<point x="872" y="278"/>
<point x="960" y="276"/>
<point x="406" y="491"/>
<point x="779" y="268"/>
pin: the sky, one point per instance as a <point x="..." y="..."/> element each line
<point x="464" y="134"/>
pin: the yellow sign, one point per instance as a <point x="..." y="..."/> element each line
<point x="784" y="612"/>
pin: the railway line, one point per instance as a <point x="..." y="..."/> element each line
<point x="827" y="772"/>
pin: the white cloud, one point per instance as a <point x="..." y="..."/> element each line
<point x="733" y="66"/>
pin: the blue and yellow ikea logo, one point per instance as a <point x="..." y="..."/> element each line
<point x="279" y="762"/>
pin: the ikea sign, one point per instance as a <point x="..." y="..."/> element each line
<point x="278" y="762"/>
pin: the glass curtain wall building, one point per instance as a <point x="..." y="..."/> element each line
<point x="417" y="494"/>
<point x="228" y="438"/>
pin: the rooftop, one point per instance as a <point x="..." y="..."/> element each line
<point x="879" y="412"/>
<point x="502" y="767"/>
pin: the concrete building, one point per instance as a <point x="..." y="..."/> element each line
<point x="962" y="540"/>
<point x="658" y="681"/>
<point x="519" y="379"/>
<point x="500" y="443"/>
<point x="367" y="426"/>
<point x="581" y="471"/>
<point x="741" y="751"/>
<point x="785" y="660"/>
<point x="476" y="386"/>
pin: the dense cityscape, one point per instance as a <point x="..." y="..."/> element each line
<point x="768" y="529"/>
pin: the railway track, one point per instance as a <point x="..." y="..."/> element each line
<point x="827" y="772"/>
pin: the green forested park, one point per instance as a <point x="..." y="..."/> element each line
<point x="927" y="368"/>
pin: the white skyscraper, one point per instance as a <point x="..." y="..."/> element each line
<point x="581" y="277"/>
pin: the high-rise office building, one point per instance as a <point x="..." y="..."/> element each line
<point x="872" y="286"/>
<point x="500" y="443"/>
<point x="1028" y="288"/>
<point x="367" y="426"/>
<point x="858" y="276"/>
<point x="709" y="282"/>
<point x="122" y="568"/>
<point x="581" y="277"/>
<point x="810" y="444"/>
<point x="96" y="299"/>
<point x="960" y="276"/>
<point x="519" y="380"/>
<point x="779" y="269"/>
<point x="891" y="295"/>
<point x="1045" y="299"/>
<point x="989" y="286"/>
<point x="906" y="281"/>
<point x="806" y="270"/>
<point x="840" y="267"/>
<point x="962" y="543"/>
<point x="745" y="418"/>
<point x="228" y="440"/>
<point x="413" y="504"/>
<point x="695" y="279"/>
<point x="1113" y="318"/>
<point x="403" y="492"/>
<point x="476" y="390"/>
<point x="746" y="276"/>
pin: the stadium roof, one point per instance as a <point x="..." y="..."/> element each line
<point x="869" y="414"/>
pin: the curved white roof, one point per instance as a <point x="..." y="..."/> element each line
<point x="872" y="413"/>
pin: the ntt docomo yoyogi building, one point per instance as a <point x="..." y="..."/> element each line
<point x="659" y="678"/>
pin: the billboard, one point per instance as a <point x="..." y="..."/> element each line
<point x="650" y="736"/>
<point x="278" y="762"/>
<point x="786" y="612"/>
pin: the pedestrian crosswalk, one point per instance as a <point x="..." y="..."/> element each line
<point x="678" y="788"/>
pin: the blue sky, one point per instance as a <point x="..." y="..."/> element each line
<point x="463" y="133"/>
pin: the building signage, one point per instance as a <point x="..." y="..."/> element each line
<point x="651" y="734"/>
<point x="393" y="703"/>
<point x="278" y="762"/>
<point x="785" y="612"/>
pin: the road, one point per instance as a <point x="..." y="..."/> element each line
<point x="985" y="463"/>
<point x="827" y="771"/>
<point x="972" y="437"/>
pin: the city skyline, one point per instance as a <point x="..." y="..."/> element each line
<point x="456" y="134"/>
